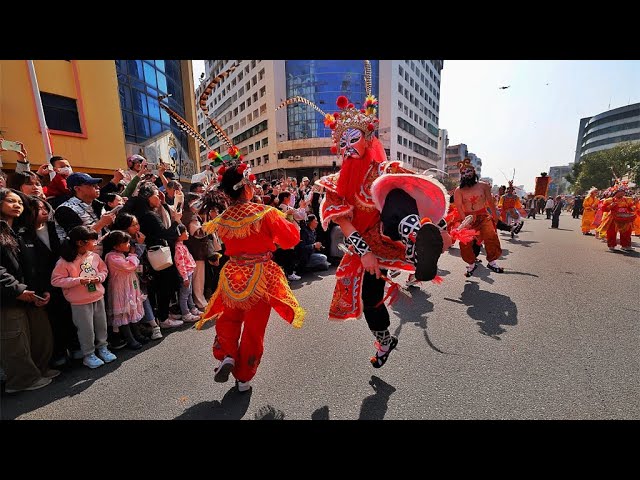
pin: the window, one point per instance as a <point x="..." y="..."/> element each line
<point x="241" y="91"/>
<point x="261" y="74"/>
<point x="399" y="88"/>
<point x="399" y="140"/>
<point x="251" y="148"/>
<point x="255" y="97"/>
<point x="400" y="70"/>
<point x="265" y="159"/>
<point x="254" y="80"/>
<point x="263" y="109"/>
<point x="265" y="142"/>
<point x="253" y="64"/>
<point x="61" y="113"/>
<point x="259" y="160"/>
<point x="263" y="91"/>
<point x="257" y="145"/>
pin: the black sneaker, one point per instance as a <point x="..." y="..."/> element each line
<point x="378" y="361"/>
<point x="116" y="342"/>
<point x="428" y="249"/>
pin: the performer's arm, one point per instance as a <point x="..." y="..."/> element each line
<point x="457" y="199"/>
<point x="369" y="260"/>
<point x="492" y="203"/>
<point x="284" y="233"/>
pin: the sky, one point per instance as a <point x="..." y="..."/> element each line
<point x="529" y="126"/>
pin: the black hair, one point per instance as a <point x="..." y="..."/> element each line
<point x="181" y="228"/>
<point x="195" y="185"/>
<point x="108" y="198"/>
<point x="115" y="237"/>
<point x="231" y="177"/>
<point x="282" y="196"/>
<point x="173" y="184"/>
<point x="69" y="247"/>
<point x="22" y="178"/>
<point x="55" y="158"/>
<point x="310" y="218"/>
<point x="123" y="221"/>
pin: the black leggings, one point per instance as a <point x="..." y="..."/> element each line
<point x="372" y="292"/>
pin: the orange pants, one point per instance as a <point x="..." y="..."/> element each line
<point x="487" y="235"/>
<point x="246" y="351"/>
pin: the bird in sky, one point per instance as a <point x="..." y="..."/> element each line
<point x="504" y="88"/>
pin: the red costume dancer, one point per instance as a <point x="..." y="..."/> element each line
<point x="250" y="282"/>
<point x="621" y="217"/>
<point x="473" y="197"/>
<point x="387" y="214"/>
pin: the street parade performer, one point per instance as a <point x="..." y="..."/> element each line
<point x="473" y="197"/>
<point x="511" y="211"/>
<point x="589" y="205"/>
<point x="250" y="283"/>
<point x="622" y="213"/>
<point x="388" y="215"/>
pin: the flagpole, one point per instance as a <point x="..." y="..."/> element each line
<point x="46" y="140"/>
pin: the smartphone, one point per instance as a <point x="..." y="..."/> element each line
<point x="40" y="298"/>
<point x="116" y="209"/>
<point x="179" y="207"/>
<point x="13" y="146"/>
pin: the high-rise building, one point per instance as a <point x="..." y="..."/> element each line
<point x="294" y="140"/>
<point x="608" y="129"/>
<point x="455" y="154"/>
<point x="443" y="143"/>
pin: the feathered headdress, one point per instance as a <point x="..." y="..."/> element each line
<point x="348" y="115"/>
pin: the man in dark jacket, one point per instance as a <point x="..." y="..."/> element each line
<point x="308" y="249"/>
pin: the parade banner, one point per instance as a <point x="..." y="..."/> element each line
<point x="542" y="185"/>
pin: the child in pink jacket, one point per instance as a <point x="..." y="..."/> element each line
<point x="80" y="273"/>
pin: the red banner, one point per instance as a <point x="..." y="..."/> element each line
<point x="542" y="186"/>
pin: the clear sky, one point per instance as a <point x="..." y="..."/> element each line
<point x="529" y="126"/>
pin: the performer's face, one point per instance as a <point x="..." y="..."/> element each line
<point x="352" y="143"/>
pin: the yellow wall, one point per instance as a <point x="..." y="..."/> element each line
<point x="103" y="148"/>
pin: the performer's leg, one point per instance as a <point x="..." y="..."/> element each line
<point x="377" y="317"/>
<point x="503" y="226"/>
<point x="491" y="244"/>
<point x="612" y="232"/>
<point x="398" y="205"/>
<point x="227" y="334"/>
<point x="252" y="341"/>
<point x="423" y="243"/>
<point x="625" y="238"/>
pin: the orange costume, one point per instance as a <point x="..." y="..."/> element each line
<point x="590" y="205"/>
<point x="636" y="223"/>
<point x="250" y="283"/>
<point x="510" y="207"/>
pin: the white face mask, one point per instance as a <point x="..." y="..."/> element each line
<point x="65" y="171"/>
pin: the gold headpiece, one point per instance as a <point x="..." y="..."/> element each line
<point x="466" y="163"/>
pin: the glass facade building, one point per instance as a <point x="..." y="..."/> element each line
<point x="140" y="82"/>
<point x="322" y="82"/>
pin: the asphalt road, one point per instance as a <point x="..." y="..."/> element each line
<point x="556" y="336"/>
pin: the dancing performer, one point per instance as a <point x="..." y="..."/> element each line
<point x="388" y="215"/>
<point x="589" y="205"/>
<point x="473" y="197"/>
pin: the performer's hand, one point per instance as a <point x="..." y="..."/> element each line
<point x="370" y="264"/>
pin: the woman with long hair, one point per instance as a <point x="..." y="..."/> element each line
<point x="26" y="336"/>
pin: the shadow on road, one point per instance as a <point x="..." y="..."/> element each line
<point x="269" y="413"/>
<point x="321" y="413"/>
<point x="524" y="243"/>
<point x="375" y="406"/>
<point x="416" y="307"/>
<point x="233" y="407"/>
<point x="309" y="277"/>
<point x="491" y="310"/>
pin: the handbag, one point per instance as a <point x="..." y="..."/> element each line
<point x="159" y="257"/>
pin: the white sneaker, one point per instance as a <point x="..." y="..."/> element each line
<point x="169" y="323"/>
<point x="175" y="316"/>
<point x="196" y="311"/>
<point x="156" y="333"/>
<point x="293" y="276"/>
<point x="190" y="318"/>
<point x="243" y="386"/>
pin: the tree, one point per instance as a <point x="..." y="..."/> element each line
<point x="597" y="169"/>
<point x="449" y="183"/>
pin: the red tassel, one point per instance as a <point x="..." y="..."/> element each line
<point x="342" y="102"/>
<point x="463" y="235"/>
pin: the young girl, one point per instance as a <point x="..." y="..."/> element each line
<point x="80" y="273"/>
<point x="186" y="265"/>
<point x="124" y="297"/>
<point x="129" y="223"/>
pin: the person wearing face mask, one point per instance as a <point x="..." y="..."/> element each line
<point x="388" y="215"/>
